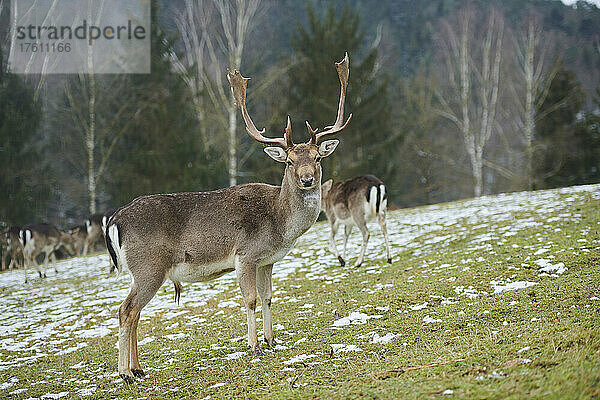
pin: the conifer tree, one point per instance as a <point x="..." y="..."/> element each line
<point x="314" y="92"/>
<point x="24" y="182"/>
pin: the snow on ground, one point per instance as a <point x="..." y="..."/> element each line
<point x="69" y="309"/>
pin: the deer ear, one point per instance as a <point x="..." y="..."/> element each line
<point x="326" y="187"/>
<point x="327" y="147"/>
<point x="276" y="153"/>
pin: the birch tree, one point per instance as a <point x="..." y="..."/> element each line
<point x="209" y="49"/>
<point x="530" y="87"/>
<point x="98" y="126"/>
<point x="472" y="71"/>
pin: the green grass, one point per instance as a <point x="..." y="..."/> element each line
<point x="556" y="321"/>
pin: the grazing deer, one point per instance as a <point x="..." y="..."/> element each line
<point x="37" y="239"/>
<point x="79" y="234"/>
<point x="94" y="235"/>
<point x="3" y="249"/>
<point x="68" y="243"/>
<point x="353" y="202"/>
<point x="191" y="237"/>
<point x="14" y="248"/>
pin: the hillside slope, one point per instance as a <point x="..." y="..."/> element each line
<point x="502" y="290"/>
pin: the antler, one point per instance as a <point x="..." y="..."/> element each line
<point x="343" y="72"/>
<point x="238" y="88"/>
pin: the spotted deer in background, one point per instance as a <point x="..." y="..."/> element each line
<point x="353" y="202"/>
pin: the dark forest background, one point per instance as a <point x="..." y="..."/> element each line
<point x="451" y="99"/>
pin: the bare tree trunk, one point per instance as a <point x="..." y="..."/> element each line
<point x="529" y="99"/>
<point x="535" y="78"/>
<point x="211" y="52"/>
<point x="91" y="144"/>
<point x="476" y="114"/>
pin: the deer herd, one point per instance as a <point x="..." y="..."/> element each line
<point x="199" y="236"/>
<point x="27" y="245"/>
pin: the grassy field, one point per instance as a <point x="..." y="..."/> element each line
<point x="497" y="297"/>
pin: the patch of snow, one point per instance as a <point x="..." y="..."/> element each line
<point x="235" y="356"/>
<point x="385" y="339"/>
<point x="299" y="358"/>
<point x="229" y="304"/>
<point x="355" y="318"/>
<point x="549" y="269"/>
<point x="500" y="286"/>
<point x="344" y="348"/>
<point x="418" y="307"/>
<point x="429" y="320"/>
<point x="146" y="340"/>
<point x="175" y="336"/>
<point x="54" y="395"/>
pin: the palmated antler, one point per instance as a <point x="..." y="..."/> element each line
<point x="238" y="88"/>
<point x="343" y="71"/>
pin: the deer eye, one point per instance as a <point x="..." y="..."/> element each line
<point x="318" y="159"/>
<point x="288" y="162"/>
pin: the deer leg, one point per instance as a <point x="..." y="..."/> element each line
<point x="53" y="256"/>
<point x="136" y="368"/>
<point x="247" y="280"/>
<point x="381" y="220"/>
<point x="26" y="263"/>
<point x="85" y="248"/>
<point x="129" y="316"/>
<point x="347" y="232"/>
<point x="265" y="290"/>
<point x="362" y="225"/>
<point x="332" y="245"/>
<point x="127" y="312"/>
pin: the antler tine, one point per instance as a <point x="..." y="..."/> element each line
<point x="287" y="136"/>
<point x="313" y="133"/>
<point x="238" y="89"/>
<point x="343" y="71"/>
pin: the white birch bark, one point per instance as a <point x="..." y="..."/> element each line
<point x="475" y="113"/>
<point x="212" y="51"/>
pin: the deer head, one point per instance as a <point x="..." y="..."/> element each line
<point x="302" y="160"/>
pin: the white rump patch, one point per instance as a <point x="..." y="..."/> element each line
<point x="382" y="201"/>
<point x="113" y="234"/>
<point x="104" y="221"/>
<point x="371" y="205"/>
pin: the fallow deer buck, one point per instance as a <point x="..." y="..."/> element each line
<point x="354" y="202"/>
<point x="190" y="237"/>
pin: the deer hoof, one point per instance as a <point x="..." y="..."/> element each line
<point x="272" y="343"/>
<point x="128" y="379"/>
<point x="257" y="352"/>
<point x="389" y="260"/>
<point x="138" y="373"/>
<point x="342" y="262"/>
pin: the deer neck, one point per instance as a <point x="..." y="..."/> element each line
<point x="300" y="208"/>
